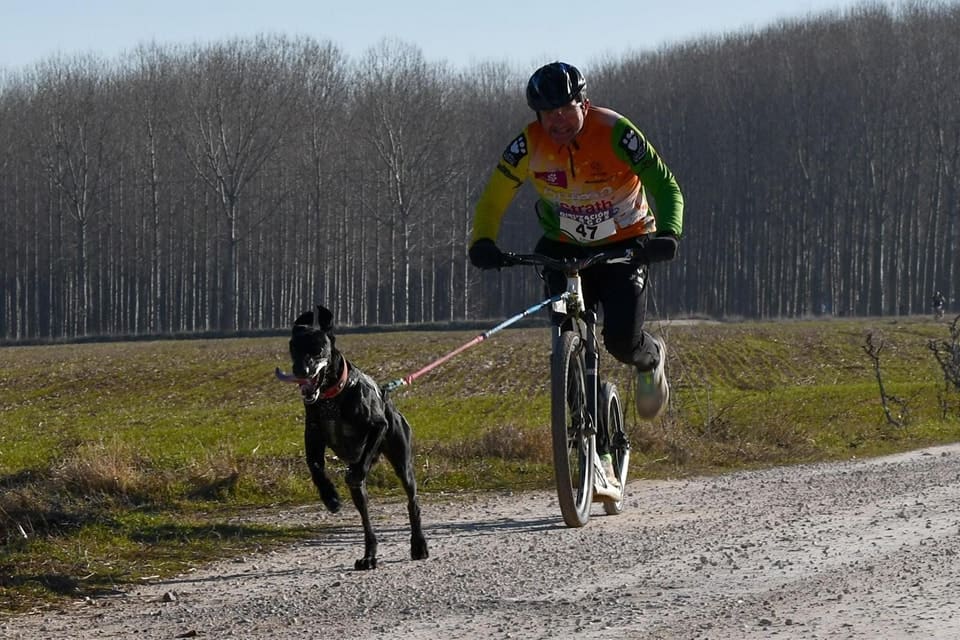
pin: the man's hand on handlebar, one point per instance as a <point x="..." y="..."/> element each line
<point x="485" y="254"/>
<point x="661" y="248"/>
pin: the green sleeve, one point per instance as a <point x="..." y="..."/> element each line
<point x="663" y="192"/>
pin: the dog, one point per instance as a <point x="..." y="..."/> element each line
<point x="348" y="412"/>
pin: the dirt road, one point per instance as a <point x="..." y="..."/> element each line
<point x="862" y="549"/>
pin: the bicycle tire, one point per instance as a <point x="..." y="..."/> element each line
<point x="611" y="412"/>
<point x="574" y="442"/>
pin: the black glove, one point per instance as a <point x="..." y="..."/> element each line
<point x="485" y="254"/>
<point x="661" y="248"/>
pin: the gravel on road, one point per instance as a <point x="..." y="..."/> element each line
<point x="857" y="549"/>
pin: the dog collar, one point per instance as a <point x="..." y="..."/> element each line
<point x="341" y="383"/>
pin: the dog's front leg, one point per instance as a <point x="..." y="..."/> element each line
<point x="359" y="494"/>
<point x="357" y="481"/>
<point x="398" y="449"/>
<point x="315" y="447"/>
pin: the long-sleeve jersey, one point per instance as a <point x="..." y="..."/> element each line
<point x="608" y="184"/>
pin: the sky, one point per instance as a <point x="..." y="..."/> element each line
<point x="460" y="32"/>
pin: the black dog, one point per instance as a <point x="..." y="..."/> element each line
<point x="348" y="412"/>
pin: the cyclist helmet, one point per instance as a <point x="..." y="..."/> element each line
<point x="554" y="85"/>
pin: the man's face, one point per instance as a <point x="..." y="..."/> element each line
<point x="564" y="123"/>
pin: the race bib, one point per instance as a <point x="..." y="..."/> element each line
<point x="585" y="230"/>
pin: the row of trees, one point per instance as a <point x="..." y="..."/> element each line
<point x="229" y="187"/>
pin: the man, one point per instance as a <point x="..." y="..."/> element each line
<point x="601" y="185"/>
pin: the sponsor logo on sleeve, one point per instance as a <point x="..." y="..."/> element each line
<point x="515" y="151"/>
<point x="634" y="145"/>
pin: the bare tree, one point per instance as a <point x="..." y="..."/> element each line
<point x="240" y="108"/>
<point x="77" y="155"/>
<point x="404" y="120"/>
<point x="320" y="153"/>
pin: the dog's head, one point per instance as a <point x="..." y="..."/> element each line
<point x="312" y="352"/>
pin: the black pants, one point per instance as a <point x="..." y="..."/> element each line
<point x="620" y="290"/>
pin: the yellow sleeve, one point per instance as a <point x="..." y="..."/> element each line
<point x="507" y="178"/>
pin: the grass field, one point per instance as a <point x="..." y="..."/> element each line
<point x="120" y="461"/>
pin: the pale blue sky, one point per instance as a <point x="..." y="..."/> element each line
<point x="461" y="32"/>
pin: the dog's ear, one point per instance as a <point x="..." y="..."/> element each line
<point x="323" y="318"/>
<point x="304" y="319"/>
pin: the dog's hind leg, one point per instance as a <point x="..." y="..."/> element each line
<point x="399" y="451"/>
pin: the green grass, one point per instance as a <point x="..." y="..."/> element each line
<point x="120" y="461"/>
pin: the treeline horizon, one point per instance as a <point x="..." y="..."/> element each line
<point x="228" y="187"/>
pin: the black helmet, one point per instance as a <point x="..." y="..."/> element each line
<point x="554" y="85"/>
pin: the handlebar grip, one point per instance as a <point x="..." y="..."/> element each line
<point x="509" y="259"/>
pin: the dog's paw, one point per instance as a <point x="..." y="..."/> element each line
<point x="332" y="502"/>
<point x="418" y="550"/>
<point x="364" y="564"/>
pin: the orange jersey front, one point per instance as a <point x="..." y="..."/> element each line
<point x="593" y="190"/>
